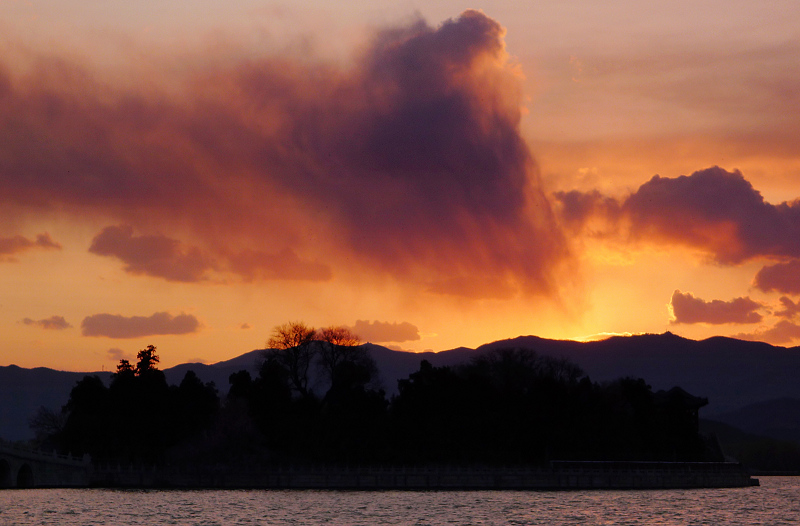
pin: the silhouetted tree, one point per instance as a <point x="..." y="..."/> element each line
<point x="338" y="346"/>
<point x="507" y="406"/>
<point x="148" y="360"/>
<point x="125" y="368"/>
<point x="292" y="346"/>
<point x="196" y="405"/>
<point x="139" y="417"/>
<point x="86" y="428"/>
<point x="341" y="336"/>
<point x="48" y="426"/>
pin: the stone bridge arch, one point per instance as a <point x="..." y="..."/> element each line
<point x="27" y="468"/>
<point x="5" y="473"/>
<point x="25" y="478"/>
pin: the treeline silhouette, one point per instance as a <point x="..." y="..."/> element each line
<point x="507" y="406"/>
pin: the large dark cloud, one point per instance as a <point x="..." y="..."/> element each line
<point x="10" y="246"/>
<point x="713" y="210"/>
<point x="118" y="326"/>
<point x="688" y="309"/>
<point x="409" y="161"/>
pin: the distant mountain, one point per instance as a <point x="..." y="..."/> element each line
<point x="23" y="391"/>
<point x="756" y="451"/>
<point x="732" y="374"/>
<point x="779" y="419"/>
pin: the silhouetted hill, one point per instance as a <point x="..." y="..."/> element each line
<point x="23" y="391"/>
<point x="779" y="419"/>
<point x="732" y="374"/>
<point x="397" y="365"/>
<point x="755" y="451"/>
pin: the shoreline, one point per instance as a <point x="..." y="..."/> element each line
<point x="559" y="475"/>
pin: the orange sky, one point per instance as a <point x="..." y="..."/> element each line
<point x="190" y="176"/>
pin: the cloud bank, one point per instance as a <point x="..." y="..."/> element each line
<point x="121" y="327"/>
<point x="408" y="162"/>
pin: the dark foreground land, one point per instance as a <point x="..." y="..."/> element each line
<point x="559" y="475"/>
<point x="495" y="422"/>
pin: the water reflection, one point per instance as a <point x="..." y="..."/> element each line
<point x="776" y="502"/>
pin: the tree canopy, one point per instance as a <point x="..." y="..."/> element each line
<point x="507" y="406"/>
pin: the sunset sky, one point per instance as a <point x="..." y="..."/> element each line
<point x="431" y="174"/>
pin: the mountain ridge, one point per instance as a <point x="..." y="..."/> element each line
<point x="731" y="373"/>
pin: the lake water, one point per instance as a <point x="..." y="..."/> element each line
<point x="775" y="502"/>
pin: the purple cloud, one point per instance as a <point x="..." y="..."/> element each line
<point x="122" y="327"/>
<point x="10" y="246"/>
<point x="57" y="323"/>
<point x="381" y="331"/>
<point x="688" y="309"/>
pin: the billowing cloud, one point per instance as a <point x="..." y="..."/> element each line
<point x="153" y="255"/>
<point x="688" y="309"/>
<point x="9" y="246"/>
<point x="160" y="323"/>
<point x="57" y="323"/>
<point x="409" y="161"/>
<point x="382" y="331"/>
<point x="576" y="208"/>
<point x="713" y="210"/>
<point x="781" y="277"/>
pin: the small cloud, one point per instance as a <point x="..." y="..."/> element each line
<point x="381" y="331"/>
<point x="790" y="308"/>
<point x="56" y="323"/>
<point x="160" y="323"/>
<point x="115" y="354"/>
<point x="783" y="332"/>
<point x="781" y="277"/>
<point x="153" y="255"/>
<point x="9" y="246"/>
<point x="688" y="309"/>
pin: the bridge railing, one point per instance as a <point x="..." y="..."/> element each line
<point x="27" y="452"/>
